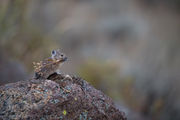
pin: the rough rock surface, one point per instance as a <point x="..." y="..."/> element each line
<point x="58" y="98"/>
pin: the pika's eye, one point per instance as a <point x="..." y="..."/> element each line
<point x="53" y="52"/>
<point x="62" y="55"/>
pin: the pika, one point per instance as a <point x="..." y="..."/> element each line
<point x="45" y="68"/>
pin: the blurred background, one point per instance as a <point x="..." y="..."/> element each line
<point x="129" y="49"/>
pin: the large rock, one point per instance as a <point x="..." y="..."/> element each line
<point x="59" y="98"/>
<point x="10" y="70"/>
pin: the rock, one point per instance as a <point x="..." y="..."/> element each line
<point x="57" y="98"/>
<point x="10" y="70"/>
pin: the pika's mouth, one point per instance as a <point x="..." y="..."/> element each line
<point x="64" y="59"/>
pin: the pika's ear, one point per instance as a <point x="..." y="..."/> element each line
<point x="53" y="52"/>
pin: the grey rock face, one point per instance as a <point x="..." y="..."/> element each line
<point x="58" y="98"/>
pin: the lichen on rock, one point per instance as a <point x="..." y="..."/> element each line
<point x="58" y="98"/>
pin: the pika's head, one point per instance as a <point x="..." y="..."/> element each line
<point x="58" y="55"/>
